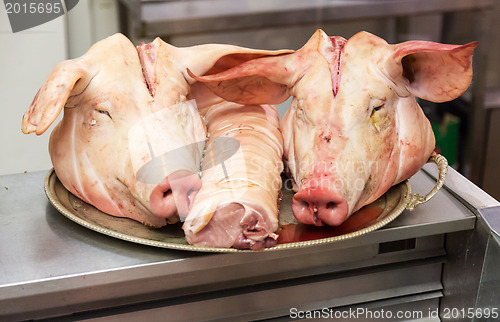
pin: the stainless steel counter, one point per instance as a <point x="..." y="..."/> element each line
<point x="51" y="266"/>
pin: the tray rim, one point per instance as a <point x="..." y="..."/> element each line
<point x="51" y="177"/>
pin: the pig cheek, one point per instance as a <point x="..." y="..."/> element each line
<point x="110" y="159"/>
<point x="304" y="149"/>
<point x="383" y="165"/>
<point x="64" y="161"/>
<point x="119" y="167"/>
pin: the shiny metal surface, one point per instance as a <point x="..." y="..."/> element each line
<point x="489" y="287"/>
<point x="313" y="294"/>
<point x="421" y="307"/>
<point x="491" y="217"/>
<point x="152" y="18"/>
<point x="470" y="274"/>
<point x="471" y="195"/>
<point x="52" y="266"/>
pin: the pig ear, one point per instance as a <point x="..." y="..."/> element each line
<point x="263" y="80"/>
<point x="432" y="71"/>
<point x="67" y="78"/>
<point x="267" y="79"/>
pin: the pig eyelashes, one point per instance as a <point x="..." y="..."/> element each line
<point x="98" y="114"/>
<point x="104" y="113"/>
<point x="377" y="108"/>
<point x="376" y="104"/>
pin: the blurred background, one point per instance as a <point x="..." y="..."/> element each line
<point x="466" y="129"/>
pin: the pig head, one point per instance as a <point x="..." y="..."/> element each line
<point x="354" y="128"/>
<point x="125" y="107"/>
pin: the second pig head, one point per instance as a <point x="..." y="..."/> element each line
<point x="354" y="127"/>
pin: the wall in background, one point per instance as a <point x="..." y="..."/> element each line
<point x="27" y="58"/>
<point x="89" y="22"/>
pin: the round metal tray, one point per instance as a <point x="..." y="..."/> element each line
<point x="291" y="234"/>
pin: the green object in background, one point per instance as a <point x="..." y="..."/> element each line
<point x="447" y="134"/>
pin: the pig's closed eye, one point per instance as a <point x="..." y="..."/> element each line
<point x="104" y="112"/>
<point x="379" y="117"/>
<point x="377" y="108"/>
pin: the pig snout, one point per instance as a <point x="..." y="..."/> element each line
<point x="175" y="194"/>
<point x="319" y="207"/>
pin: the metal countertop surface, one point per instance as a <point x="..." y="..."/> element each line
<point x="43" y="252"/>
<point x="37" y="242"/>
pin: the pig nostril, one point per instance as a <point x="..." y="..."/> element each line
<point x="330" y="205"/>
<point x="162" y="201"/>
<point x="304" y="204"/>
<point x="167" y="193"/>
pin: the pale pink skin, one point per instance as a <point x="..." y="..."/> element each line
<point x="354" y="128"/>
<point x="240" y="210"/>
<point x="104" y="94"/>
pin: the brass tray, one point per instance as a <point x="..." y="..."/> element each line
<point x="291" y="234"/>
